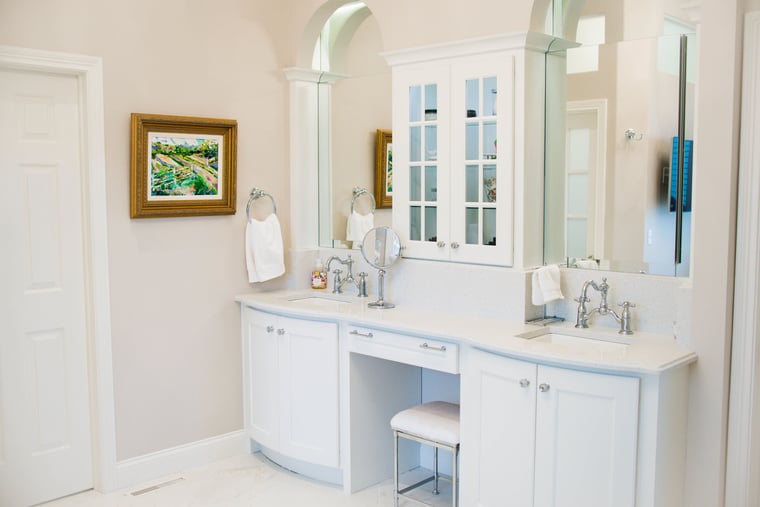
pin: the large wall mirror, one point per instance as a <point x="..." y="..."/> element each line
<point x="620" y="97"/>
<point x="354" y="102"/>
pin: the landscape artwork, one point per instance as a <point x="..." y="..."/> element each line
<point x="183" y="166"/>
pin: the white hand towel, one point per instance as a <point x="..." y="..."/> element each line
<point x="358" y="226"/>
<point x="586" y="264"/>
<point x="264" y="253"/>
<point x="545" y="284"/>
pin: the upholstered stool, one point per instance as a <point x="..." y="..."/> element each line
<point x="435" y="424"/>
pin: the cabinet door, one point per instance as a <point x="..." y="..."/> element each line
<point x="498" y="428"/>
<point x="586" y="433"/>
<point x="482" y="159"/>
<point x="308" y="362"/>
<point x="421" y="160"/>
<point x="261" y="375"/>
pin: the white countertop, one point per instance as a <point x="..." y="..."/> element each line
<point x="646" y="353"/>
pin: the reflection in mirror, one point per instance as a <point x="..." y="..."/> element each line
<point x="612" y="128"/>
<point x="354" y="102"/>
<point x="381" y="248"/>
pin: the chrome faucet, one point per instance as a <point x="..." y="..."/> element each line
<point x="339" y="282"/>
<point x="583" y="314"/>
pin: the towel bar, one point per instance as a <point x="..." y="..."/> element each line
<point x="358" y="192"/>
<point x="257" y="193"/>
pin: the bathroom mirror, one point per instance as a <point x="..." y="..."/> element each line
<point x="614" y="110"/>
<point x="381" y="248"/>
<point x="353" y="104"/>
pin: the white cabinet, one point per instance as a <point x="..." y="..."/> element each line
<point x="291" y="386"/>
<point x="453" y="143"/>
<point x="546" y="436"/>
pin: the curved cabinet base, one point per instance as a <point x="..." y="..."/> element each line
<point x="317" y="472"/>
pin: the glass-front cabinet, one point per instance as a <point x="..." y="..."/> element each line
<point x="453" y="159"/>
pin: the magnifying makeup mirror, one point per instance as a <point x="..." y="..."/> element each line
<point x="381" y="247"/>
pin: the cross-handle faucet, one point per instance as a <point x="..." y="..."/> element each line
<point x="339" y="282"/>
<point x="583" y="314"/>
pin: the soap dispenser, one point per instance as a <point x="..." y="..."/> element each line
<point x="318" y="275"/>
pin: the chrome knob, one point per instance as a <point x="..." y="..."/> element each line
<point x="441" y="244"/>
<point x="281" y="331"/>
<point x="454" y="245"/>
<point x="270" y="329"/>
<point x="524" y="382"/>
<point x="543" y="387"/>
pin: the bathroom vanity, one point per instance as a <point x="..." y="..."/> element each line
<point x="588" y="416"/>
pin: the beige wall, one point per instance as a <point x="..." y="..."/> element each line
<point x="175" y="326"/>
<point x="176" y="338"/>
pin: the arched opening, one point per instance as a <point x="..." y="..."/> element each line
<point x="352" y="103"/>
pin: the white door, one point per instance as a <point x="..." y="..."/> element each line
<point x="498" y="429"/>
<point x="308" y="363"/>
<point x="586" y="434"/>
<point x="584" y="199"/>
<point x="262" y="377"/>
<point x="45" y="443"/>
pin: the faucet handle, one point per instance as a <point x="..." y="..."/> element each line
<point x="582" y="299"/>
<point x="362" y="284"/>
<point x="625" y="317"/>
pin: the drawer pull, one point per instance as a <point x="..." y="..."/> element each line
<point x="357" y="333"/>
<point x="270" y="329"/>
<point x="281" y="331"/>
<point x="543" y="387"/>
<point x="425" y="346"/>
<point x="524" y="382"/>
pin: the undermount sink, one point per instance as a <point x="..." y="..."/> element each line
<point x="565" y="337"/>
<point x="319" y="300"/>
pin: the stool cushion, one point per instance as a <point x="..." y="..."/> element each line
<point x="437" y="421"/>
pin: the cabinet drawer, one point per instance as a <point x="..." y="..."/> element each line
<point x="415" y="350"/>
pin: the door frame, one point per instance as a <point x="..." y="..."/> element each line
<point x="88" y="71"/>
<point x="743" y="441"/>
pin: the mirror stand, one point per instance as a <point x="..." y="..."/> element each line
<point x="381" y="247"/>
<point x="381" y="302"/>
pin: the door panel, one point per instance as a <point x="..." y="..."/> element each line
<point x="45" y="443"/>
<point x="498" y="421"/>
<point x="586" y="434"/>
<point x="309" y="374"/>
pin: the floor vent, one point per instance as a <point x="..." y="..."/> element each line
<point x="157" y="486"/>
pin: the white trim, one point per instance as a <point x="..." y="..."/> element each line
<point x="88" y="71"/>
<point x="152" y="466"/>
<point x="469" y="47"/>
<point x="743" y="458"/>
<point x="599" y="108"/>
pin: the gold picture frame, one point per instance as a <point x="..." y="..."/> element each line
<point x="182" y="166"/>
<point x="384" y="169"/>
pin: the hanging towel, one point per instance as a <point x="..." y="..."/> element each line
<point x="264" y="255"/>
<point x="545" y="282"/>
<point x="358" y="226"/>
<point x="586" y="264"/>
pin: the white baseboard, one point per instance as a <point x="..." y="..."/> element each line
<point x="155" y="465"/>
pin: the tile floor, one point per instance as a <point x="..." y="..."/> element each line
<point x="246" y="480"/>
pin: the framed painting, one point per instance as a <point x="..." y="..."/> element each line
<point x="182" y="166"/>
<point x="384" y="169"/>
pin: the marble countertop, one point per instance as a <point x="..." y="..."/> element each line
<point x="644" y="353"/>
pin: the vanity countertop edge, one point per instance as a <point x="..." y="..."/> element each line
<point x="646" y="353"/>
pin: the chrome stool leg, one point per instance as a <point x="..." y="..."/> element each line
<point x="455" y="455"/>
<point x="435" y="470"/>
<point x="395" y="469"/>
